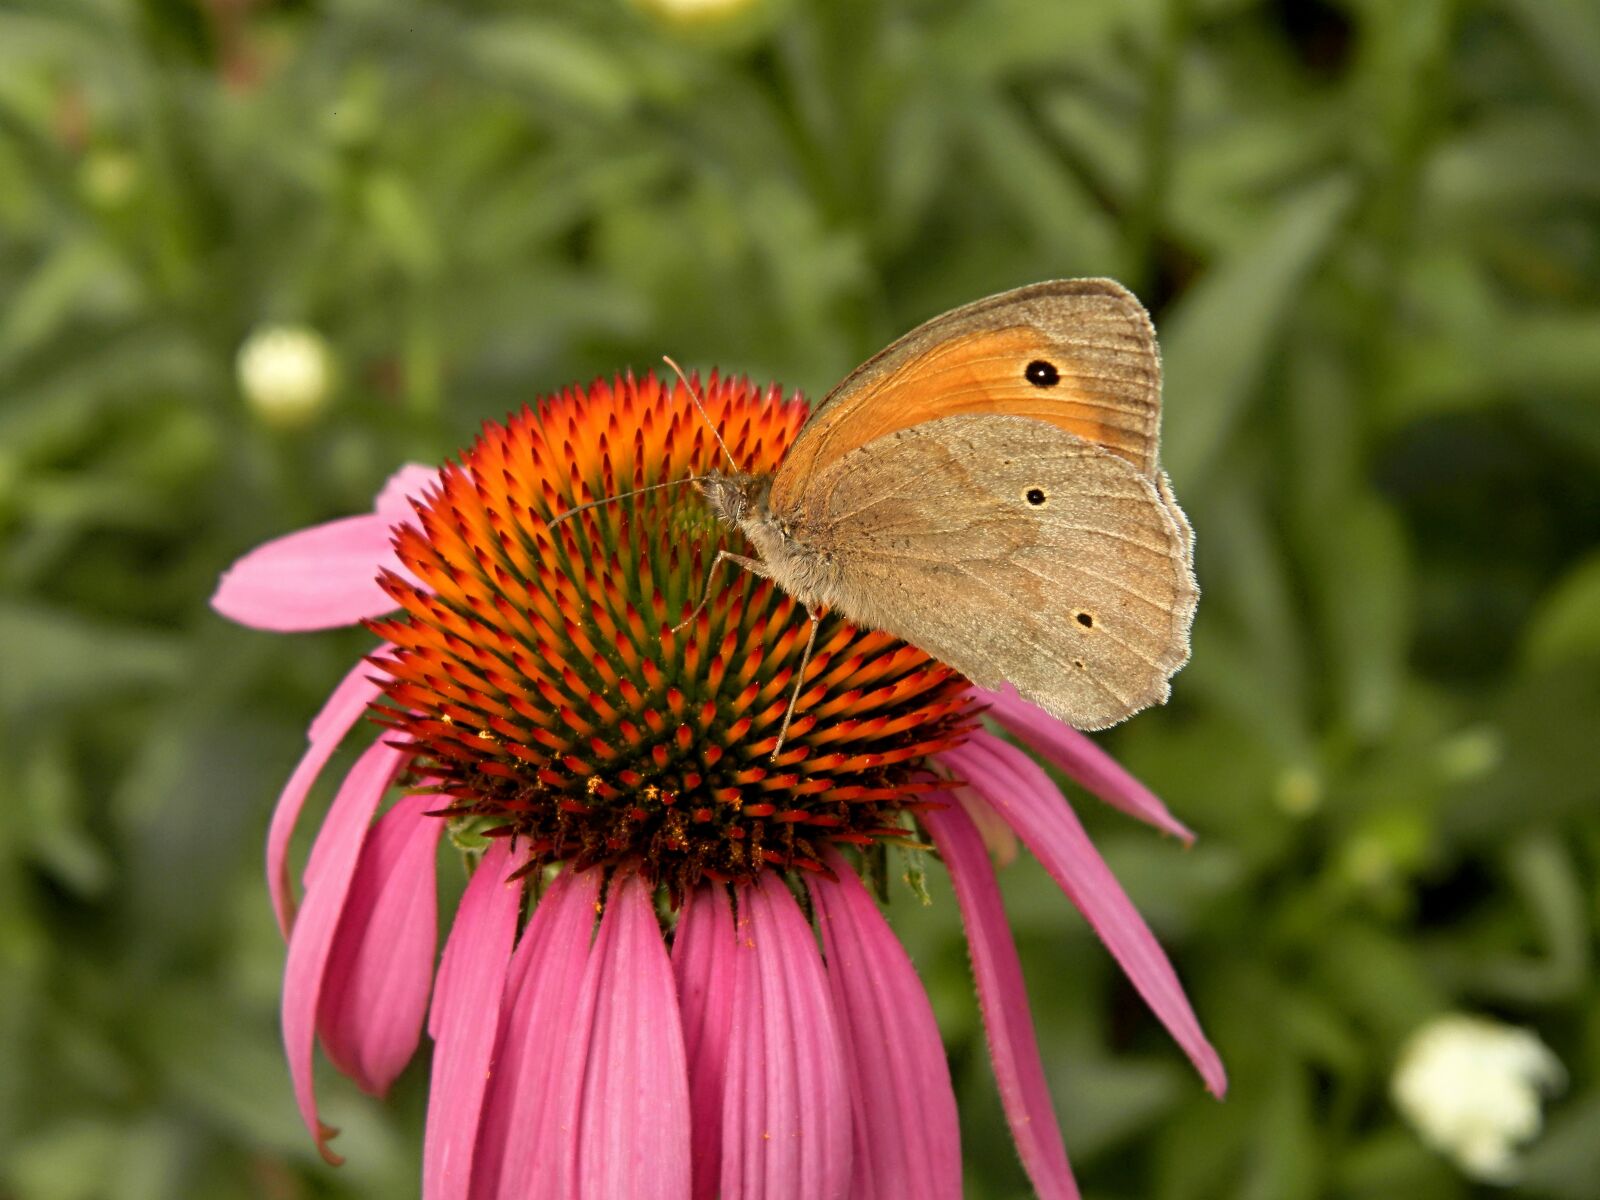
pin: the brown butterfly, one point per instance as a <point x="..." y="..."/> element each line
<point x="988" y="489"/>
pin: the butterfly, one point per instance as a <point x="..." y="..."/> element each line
<point x="988" y="488"/>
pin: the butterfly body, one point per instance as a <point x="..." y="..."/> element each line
<point x="988" y="490"/>
<point x="787" y="556"/>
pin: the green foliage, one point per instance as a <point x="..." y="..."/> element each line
<point x="1370" y="233"/>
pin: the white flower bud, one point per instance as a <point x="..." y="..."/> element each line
<point x="1472" y="1087"/>
<point x="697" y="11"/>
<point x="285" y="373"/>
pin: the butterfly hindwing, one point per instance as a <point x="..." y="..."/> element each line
<point x="1015" y="551"/>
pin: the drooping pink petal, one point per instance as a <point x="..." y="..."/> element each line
<point x="349" y="700"/>
<point x="1013" y="1048"/>
<point x="1077" y="757"/>
<point x="326" y="575"/>
<point x="703" y="961"/>
<point x="338" y="848"/>
<point x="1022" y="793"/>
<point x="375" y="988"/>
<point x="465" y="1019"/>
<point x="786" y="1117"/>
<point x="907" y="1138"/>
<point x="623" y="1083"/>
<point x="518" y="1156"/>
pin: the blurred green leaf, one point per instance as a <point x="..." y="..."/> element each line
<point x="551" y="57"/>
<point x="396" y="216"/>
<point x="76" y="1160"/>
<point x="60" y="838"/>
<point x="1544" y="774"/>
<point x="1566" y="1159"/>
<point x="1111" y="1101"/>
<point x="1283" y="1162"/>
<point x="1546" y="880"/>
<point x="1034" y="184"/>
<point x="52" y="295"/>
<point x="1252" y="657"/>
<point x="1511" y="160"/>
<point x="1567" y="33"/>
<point x="1566" y="628"/>
<point x="1217" y="341"/>
<point x="53" y="658"/>
<point x="1395" y="1163"/>
<point x="1362" y="578"/>
<point x="238" y="1082"/>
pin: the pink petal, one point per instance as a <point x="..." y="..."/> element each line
<point x="786" y="1127"/>
<point x="1013" y="1048"/>
<point x="703" y="960"/>
<point x="1080" y="760"/>
<point x="907" y="1138"/>
<point x="379" y="973"/>
<point x="348" y="702"/>
<point x="327" y="575"/>
<point x="518" y="1146"/>
<point x="1023" y="794"/>
<point x="464" y="1020"/>
<point x="319" y="578"/>
<point x="624" y="1080"/>
<point x="338" y="848"/>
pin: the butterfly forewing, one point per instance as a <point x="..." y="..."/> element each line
<point x="1079" y="354"/>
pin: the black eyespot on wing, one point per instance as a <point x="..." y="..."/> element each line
<point x="1042" y="374"/>
<point x="1086" y="620"/>
<point x="1035" y="496"/>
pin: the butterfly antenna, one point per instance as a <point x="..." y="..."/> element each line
<point x="694" y="394"/>
<point x="654" y="487"/>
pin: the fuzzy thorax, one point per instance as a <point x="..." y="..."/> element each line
<point x="799" y="567"/>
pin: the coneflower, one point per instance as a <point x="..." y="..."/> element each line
<point x="632" y="1000"/>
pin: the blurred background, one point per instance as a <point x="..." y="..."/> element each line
<point x="256" y="254"/>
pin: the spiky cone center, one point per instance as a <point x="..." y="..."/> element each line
<point x="537" y="673"/>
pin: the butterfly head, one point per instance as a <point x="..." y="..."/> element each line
<point x="732" y="498"/>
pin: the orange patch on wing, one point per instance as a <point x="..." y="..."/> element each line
<point x="982" y="372"/>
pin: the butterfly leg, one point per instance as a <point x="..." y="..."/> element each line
<point x="799" y="681"/>
<point x="754" y="565"/>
